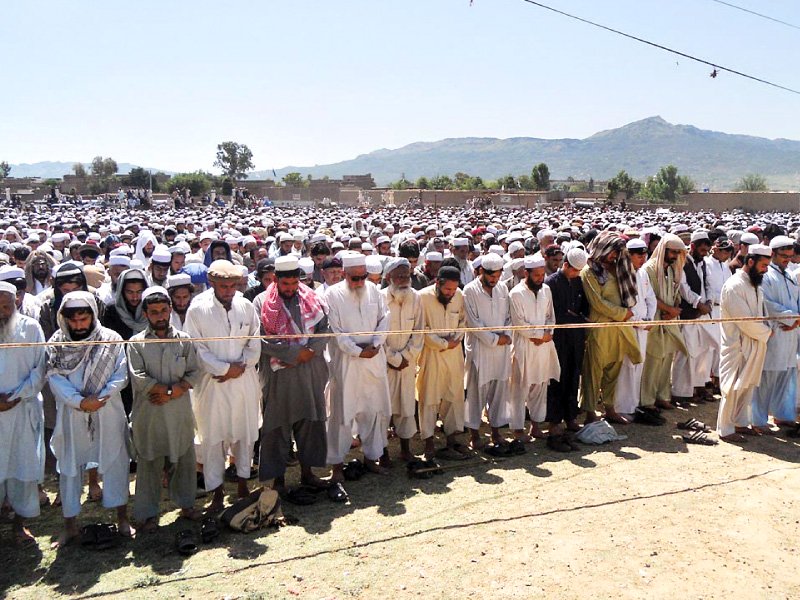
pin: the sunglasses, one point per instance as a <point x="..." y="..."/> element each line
<point x="355" y="278"/>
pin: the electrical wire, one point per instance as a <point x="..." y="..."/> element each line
<point x="758" y="14"/>
<point x="665" y="48"/>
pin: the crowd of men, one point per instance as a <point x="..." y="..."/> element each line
<point x="375" y="324"/>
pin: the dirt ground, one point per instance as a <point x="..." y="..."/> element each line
<point x="649" y="517"/>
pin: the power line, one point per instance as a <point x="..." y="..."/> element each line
<point x="758" y="14"/>
<point x="665" y="48"/>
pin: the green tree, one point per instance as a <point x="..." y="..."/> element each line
<point x="138" y="177"/>
<point x="752" y="182"/>
<point x="622" y="182"/>
<point x="476" y="183"/>
<point x="198" y="182"/>
<point x="51" y="183"/>
<point x="79" y="170"/>
<point x="540" y="174"/>
<point x="525" y="182"/>
<point x="667" y="185"/>
<point x="5" y="170"/>
<point x="508" y="182"/>
<point x="422" y="183"/>
<point x="462" y="181"/>
<point x="294" y="179"/>
<point x="441" y="182"/>
<point x="234" y="159"/>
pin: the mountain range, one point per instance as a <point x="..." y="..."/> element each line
<point x="713" y="159"/>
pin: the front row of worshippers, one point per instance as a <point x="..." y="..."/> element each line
<point x="201" y="390"/>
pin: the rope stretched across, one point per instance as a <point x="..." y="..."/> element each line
<point x="672" y="323"/>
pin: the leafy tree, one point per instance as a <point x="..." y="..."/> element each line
<point x="422" y="183"/>
<point x="234" y="159"/>
<point x="462" y="181"/>
<point x="622" y="182"/>
<point x="401" y="184"/>
<point x="198" y="182"/>
<point x="441" y="182"/>
<point x="540" y="174"/>
<point x="525" y="182"/>
<point x="476" y="183"/>
<point x="138" y="177"/>
<point x="667" y="185"/>
<point x="103" y="167"/>
<point x="752" y="182"/>
<point x="51" y="183"/>
<point x="294" y="179"/>
<point x="508" y="182"/>
<point x="79" y="170"/>
<point x="5" y="170"/>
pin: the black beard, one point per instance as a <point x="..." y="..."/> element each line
<point x="179" y="310"/>
<point x="533" y="286"/>
<point x="285" y="297"/>
<point x="755" y="278"/>
<point x="77" y="336"/>
<point x="442" y="299"/>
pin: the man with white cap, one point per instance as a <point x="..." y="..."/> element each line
<point x="91" y="427"/>
<point x="26" y="303"/>
<point x="534" y="357"/>
<point x="358" y="391"/>
<point x="718" y="273"/>
<point x="375" y="270"/>
<point x="21" y="417"/>
<point x="440" y="382"/>
<point x="160" y="261"/>
<point x="117" y="264"/>
<point x="403" y="349"/>
<point x="630" y="376"/>
<point x="181" y="291"/>
<point x="776" y="395"/>
<point x="745" y="241"/>
<point x="162" y="421"/>
<point x="227" y="399"/>
<point x="569" y="307"/>
<point x="295" y="375"/>
<point x="691" y="370"/>
<point x="743" y="348"/>
<point x="461" y="254"/>
<point x="488" y="353"/>
<point x="426" y="272"/>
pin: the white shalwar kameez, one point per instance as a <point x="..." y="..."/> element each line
<point x="488" y="365"/>
<point x="358" y="390"/>
<point x="629" y="382"/>
<point x="228" y="414"/>
<point x="22" y="427"/>
<point x="718" y="273"/>
<point x="405" y="316"/>
<point x="533" y="366"/>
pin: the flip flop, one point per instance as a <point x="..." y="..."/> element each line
<point x="209" y="529"/>
<point x="694" y="425"/>
<point x="497" y="449"/>
<point x="186" y="542"/>
<point x="644" y="416"/>
<point x="337" y="493"/>
<point x="300" y="496"/>
<point x="699" y="437"/>
<point x="354" y="470"/>
<point x="107" y="536"/>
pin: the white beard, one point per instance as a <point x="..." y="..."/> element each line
<point x="400" y="294"/>
<point x="8" y="328"/>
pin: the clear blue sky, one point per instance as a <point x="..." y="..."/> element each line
<point x="160" y="83"/>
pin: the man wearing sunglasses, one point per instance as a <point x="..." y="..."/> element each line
<point x="359" y="388"/>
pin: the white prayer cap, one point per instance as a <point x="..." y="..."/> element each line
<point x="60" y="237"/>
<point x="534" y="261"/>
<point x="748" y="238"/>
<point x="434" y="257"/>
<point x="515" y="247"/>
<point x="156" y="289"/>
<point x="365" y="247"/>
<point x="374" y="265"/>
<point x="208" y="235"/>
<point x="8" y="272"/>
<point x="545" y="233"/>
<point x="180" y="248"/>
<point x="393" y="263"/>
<point x="492" y="262"/>
<point x="576" y="258"/>
<point x="517" y="263"/>
<point x="119" y="261"/>
<point x="79" y="299"/>
<point x="382" y="239"/>
<point x="137" y="264"/>
<point x="285" y="237"/>
<point x="781" y="241"/>
<point x="679" y="228"/>
<point x="244" y="270"/>
<point x="123" y="250"/>
<point x="161" y="254"/>
<point x="224" y="269"/>
<point x="459" y="242"/>
<point x="9" y="288"/>
<point x="319" y="237"/>
<point x="700" y="235"/>
<point x="307" y="264"/>
<point x="286" y="263"/>
<point x="759" y="250"/>
<point x="299" y="236"/>
<point x="496" y="249"/>
<point x="178" y="280"/>
<point x="353" y="259"/>
<point x="638" y="244"/>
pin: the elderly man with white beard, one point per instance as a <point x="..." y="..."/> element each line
<point x="488" y="353"/>
<point x="403" y="349"/>
<point x="534" y="358"/>
<point x="21" y="415"/>
<point x="91" y="427"/>
<point x="358" y="391"/>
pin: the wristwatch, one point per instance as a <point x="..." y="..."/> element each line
<point x="169" y="390"/>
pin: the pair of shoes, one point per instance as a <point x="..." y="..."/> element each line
<point x="354" y="470"/>
<point x="648" y="415"/>
<point x="498" y="449"/>
<point x="559" y="443"/>
<point x="99" y="536"/>
<point x="337" y="493"/>
<point x="698" y="437"/>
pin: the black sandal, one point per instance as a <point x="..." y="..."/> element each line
<point x="209" y="530"/>
<point x="698" y="437"/>
<point x="337" y="493"/>
<point x="301" y="496"/>
<point x="418" y="469"/>
<point x="354" y="470"/>
<point x="517" y="447"/>
<point x="694" y="425"/>
<point x="558" y="443"/>
<point x="186" y="542"/>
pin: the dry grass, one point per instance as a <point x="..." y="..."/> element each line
<point x="647" y="518"/>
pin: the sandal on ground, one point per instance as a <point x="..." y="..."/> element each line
<point x="698" y="437"/>
<point x="694" y="425"/>
<point x="186" y="542"/>
<point x="495" y="449"/>
<point x="300" y="496"/>
<point x="570" y="441"/>
<point x="337" y="493"/>
<point x="558" y="443"/>
<point x="354" y="470"/>
<point x="209" y="529"/>
<point x="418" y="469"/>
<point x="648" y="416"/>
<point x="517" y="447"/>
<point x="99" y="536"/>
<point x="450" y="454"/>
<point x="794" y="433"/>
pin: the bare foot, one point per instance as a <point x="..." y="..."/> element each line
<point x="356" y="443"/>
<point x="314" y="482"/>
<point x="407" y="456"/>
<point x="733" y="437"/>
<point x="65" y="539"/>
<point x="23" y="536"/>
<point x="375" y="467"/>
<point x="536" y="432"/>
<point x="125" y="528"/>
<point x="747" y="431"/>
<point x="150" y="525"/>
<point x="95" y="492"/>
<point x="615" y="417"/>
